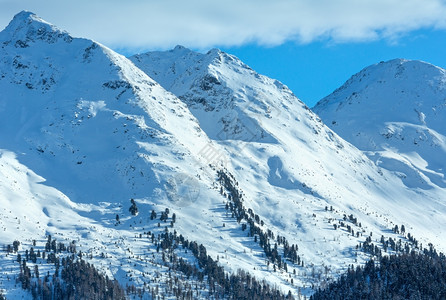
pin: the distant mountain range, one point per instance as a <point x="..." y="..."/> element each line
<point x="171" y="171"/>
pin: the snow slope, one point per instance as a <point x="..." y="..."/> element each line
<point x="395" y="112"/>
<point x="88" y="113"/>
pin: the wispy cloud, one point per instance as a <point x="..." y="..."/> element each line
<point x="159" y="24"/>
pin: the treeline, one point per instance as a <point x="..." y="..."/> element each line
<point x="393" y="244"/>
<point x="407" y="276"/>
<point x="254" y="225"/>
<point x="70" y="277"/>
<point x="212" y="278"/>
<point x="83" y="281"/>
<point x="73" y="278"/>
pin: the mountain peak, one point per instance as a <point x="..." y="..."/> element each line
<point x="26" y="27"/>
<point x="396" y="74"/>
<point x="24" y="15"/>
<point x="180" y="48"/>
<point x="214" y="51"/>
<point x="394" y="110"/>
<point x="395" y="61"/>
<point x="403" y="61"/>
<point x="25" y="19"/>
<point x="399" y="66"/>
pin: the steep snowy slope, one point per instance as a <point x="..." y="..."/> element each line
<point x="24" y="200"/>
<point x="83" y="114"/>
<point x="290" y="165"/>
<point x="395" y="112"/>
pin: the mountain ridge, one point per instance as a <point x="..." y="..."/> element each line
<point x="127" y="84"/>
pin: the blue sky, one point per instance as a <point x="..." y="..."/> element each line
<point x="314" y="70"/>
<point x="312" y="46"/>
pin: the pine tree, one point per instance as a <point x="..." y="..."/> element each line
<point x="133" y="208"/>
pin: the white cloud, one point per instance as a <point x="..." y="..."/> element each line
<point x="157" y="24"/>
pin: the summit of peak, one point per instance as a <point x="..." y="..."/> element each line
<point x="27" y="26"/>
<point x="23" y="15"/>
<point x="400" y="65"/>
<point x="180" y="48"/>
<point x="214" y="51"/>
<point x="25" y="19"/>
<point x="394" y="76"/>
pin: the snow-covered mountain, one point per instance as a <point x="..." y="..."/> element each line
<point x="395" y="111"/>
<point x="297" y="164"/>
<point x="248" y="170"/>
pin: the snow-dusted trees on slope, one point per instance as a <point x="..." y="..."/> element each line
<point x="407" y="276"/>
